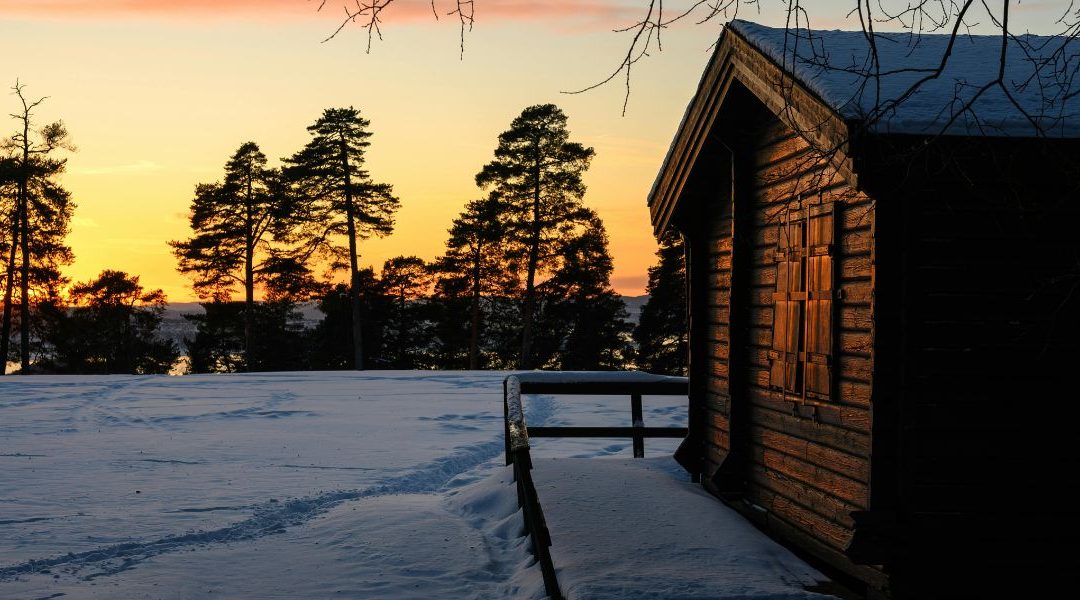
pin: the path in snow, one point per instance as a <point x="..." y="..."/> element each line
<point x="378" y="546"/>
<point x="101" y="476"/>
<point x="266" y="519"/>
<point x="100" y="462"/>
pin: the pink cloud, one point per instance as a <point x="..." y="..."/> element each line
<point x="155" y="8"/>
<point x="610" y="10"/>
<point x="608" y="13"/>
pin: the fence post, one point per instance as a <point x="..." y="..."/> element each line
<point x="639" y="424"/>
<point x="506" y="422"/>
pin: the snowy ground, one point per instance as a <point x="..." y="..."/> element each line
<point x="357" y="485"/>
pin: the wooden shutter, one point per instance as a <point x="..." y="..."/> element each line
<point x="820" y="289"/>
<point x="787" y="306"/>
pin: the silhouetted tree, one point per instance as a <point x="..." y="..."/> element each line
<point x="109" y="326"/>
<point x="450" y="331"/>
<point x="219" y="347"/>
<point x="9" y="243"/>
<point x="662" y="331"/>
<point x="584" y="321"/>
<point x="332" y="342"/>
<point x="537" y="174"/>
<point x="50" y="214"/>
<point x="9" y="196"/>
<point x="474" y="267"/>
<point x="408" y="337"/>
<point x="335" y="198"/>
<point x="38" y="221"/>
<point x="406" y="278"/>
<point x="283" y="343"/>
<point x="501" y="340"/>
<point x="233" y="223"/>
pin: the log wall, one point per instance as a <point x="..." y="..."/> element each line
<point x="810" y="464"/>
<point x="805" y="465"/>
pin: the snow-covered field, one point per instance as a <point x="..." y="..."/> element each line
<point x="311" y="485"/>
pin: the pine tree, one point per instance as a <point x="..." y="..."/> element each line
<point x="38" y="221"/>
<point x="283" y="343"/>
<point x="662" y="331"/>
<point x="335" y="198"/>
<point x="109" y="326"/>
<point x="233" y="224"/>
<point x="219" y="343"/>
<point x="332" y="340"/>
<point x="537" y="172"/>
<point x="474" y="267"/>
<point x="585" y="320"/>
<point x="406" y="282"/>
<point x="50" y="210"/>
<point x="9" y="244"/>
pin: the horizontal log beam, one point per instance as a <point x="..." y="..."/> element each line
<point x="607" y="432"/>
<point x="607" y="388"/>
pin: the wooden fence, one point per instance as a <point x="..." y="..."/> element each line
<point x="517" y="433"/>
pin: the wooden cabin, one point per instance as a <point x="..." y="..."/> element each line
<point x="884" y="310"/>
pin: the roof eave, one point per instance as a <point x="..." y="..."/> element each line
<point x="792" y="102"/>
<point x="690" y="136"/>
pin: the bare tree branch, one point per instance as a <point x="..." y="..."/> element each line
<point x="464" y="12"/>
<point x="1055" y="70"/>
<point x="647" y="32"/>
<point x="368" y="15"/>
<point x="363" y="12"/>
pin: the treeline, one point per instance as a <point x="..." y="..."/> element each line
<point x="524" y="281"/>
<point x="416" y="316"/>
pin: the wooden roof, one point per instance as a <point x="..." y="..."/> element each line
<point x="813" y="82"/>
<point x="735" y="58"/>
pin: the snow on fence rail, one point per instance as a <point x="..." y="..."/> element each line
<point x="516" y="435"/>
<point x="608" y="383"/>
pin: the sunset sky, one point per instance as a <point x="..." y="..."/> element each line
<point x="157" y="94"/>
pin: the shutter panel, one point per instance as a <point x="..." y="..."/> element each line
<point x="820" y="288"/>
<point x="787" y="307"/>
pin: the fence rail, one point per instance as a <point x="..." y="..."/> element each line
<point x="517" y="433"/>
<point x="633" y="384"/>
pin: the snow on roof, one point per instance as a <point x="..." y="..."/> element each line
<point x="1037" y="87"/>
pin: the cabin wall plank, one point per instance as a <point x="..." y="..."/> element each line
<point x="808" y="472"/>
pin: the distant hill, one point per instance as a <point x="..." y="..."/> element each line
<point x="633" y="306"/>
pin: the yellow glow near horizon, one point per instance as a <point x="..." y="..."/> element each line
<point x="157" y="96"/>
<point x="155" y="108"/>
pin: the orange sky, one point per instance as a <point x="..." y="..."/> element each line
<point x="157" y="94"/>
